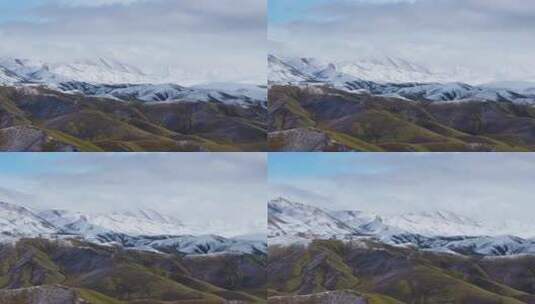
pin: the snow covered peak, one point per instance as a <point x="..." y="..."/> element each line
<point x="437" y="223"/>
<point x="386" y="69"/>
<point x="110" y="78"/>
<point x="287" y="219"/>
<point x="393" y="77"/>
<point x="7" y="77"/>
<point x="382" y="70"/>
<point x="282" y="202"/>
<point x="99" y="70"/>
<point x="17" y="221"/>
<point x="434" y="223"/>
<point x="442" y="231"/>
<point x="354" y="218"/>
<point x="141" y="229"/>
<point x="139" y="222"/>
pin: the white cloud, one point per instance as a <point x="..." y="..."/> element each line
<point x="227" y="188"/>
<point x="202" y="40"/>
<point x="494" y="187"/>
<point x="492" y="38"/>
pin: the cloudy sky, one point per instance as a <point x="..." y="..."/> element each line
<point x="492" y="39"/>
<point x="489" y="187"/>
<point x="201" y="188"/>
<point x="203" y="40"/>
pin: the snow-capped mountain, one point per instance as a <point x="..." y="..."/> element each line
<point x="143" y="229"/>
<point x="184" y="244"/>
<point x="438" y="223"/>
<point x="17" y="222"/>
<point x="399" y="70"/>
<point x="100" y="70"/>
<point x="238" y="94"/>
<point x="8" y="77"/>
<point x="140" y="222"/>
<point x="442" y="231"/>
<point x="117" y="80"/>
<point x="392" y="77"/>
<point x="288" y="218"/>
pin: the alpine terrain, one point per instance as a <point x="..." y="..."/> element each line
<point x="392" y="104"/>
<point x="325" y="256"/>
<point x="140" y="256"/>
<point x="106" y="105"/>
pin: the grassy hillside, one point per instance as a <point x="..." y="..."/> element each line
<point x="44" y="120"/>
<point x="385" y="274"/>
<point x="325" y="119"/>
<point x="113" y="275"/>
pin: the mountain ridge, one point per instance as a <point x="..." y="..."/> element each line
<point x="132" y="230"/>
<point x="439" y="231"/>
<point x="392" y="80"/>
<point x="113" y="79"/>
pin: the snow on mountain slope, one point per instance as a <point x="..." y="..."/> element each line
<point x="486" y="245"/>
<point x="282" y="72"/>
<point x="7" y="77"/>
<point x="145" y="92"/>
<point x="353" y="218"/>
<point x="117" y="80"/>
<point x="440" y="231"/>
<point x="519" y="86"/>
<point x="143" y="229"/>
<point x="392" y="77"/>
<point x="93" y="71"/>
<point x="185" y="244"/>
<point x="438" y="223"/>
<point x="241" y="95"/>
<point x="288" y="218"/>
<point x="240" y="91"/>
<point x="389" y="69"/>
<point x="17" y="222"/>
<point x="385" y="69"/>
<point x="141" y="222"/>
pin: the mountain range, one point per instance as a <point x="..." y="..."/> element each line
<point x="393" y="105"/>
<point x="394" y="77"/>
<point x="105" y="105"/>
<point x="439" y="231"/>
<point x="324" y="256"/>
<point x="136" y="256"/>
<point x="113" y="79"/>
<point x="137" y="230"/>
